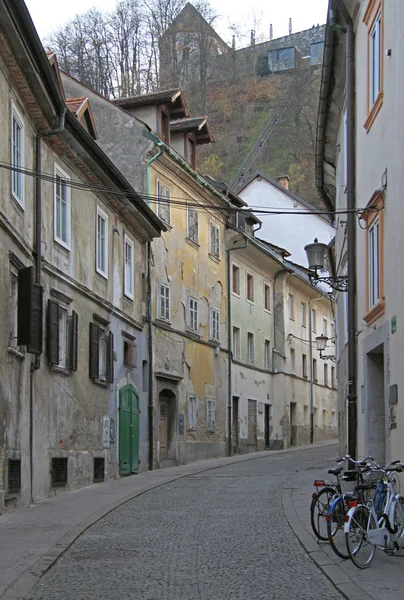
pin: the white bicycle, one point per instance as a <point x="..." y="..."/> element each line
<point x="377" y="523"/>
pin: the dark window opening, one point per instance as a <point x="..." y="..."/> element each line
<point x="192" y="152"/>
<point x="165" y="127"/>
<point x="129" y="354"/>
<point x="59" y="471"/>
<point x="14" y="475"/>
<point x="99" y="469"/>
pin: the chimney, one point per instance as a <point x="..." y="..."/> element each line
<point x="284" y="181"/>
<point x="252" y="37"/>
<point x="271" y="32"/>
<point x="290" y="26"/>
<point x="233" y="44"/>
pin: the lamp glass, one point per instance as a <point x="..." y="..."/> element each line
<point x="316" y="255"/>
<point x="321" y="342"/>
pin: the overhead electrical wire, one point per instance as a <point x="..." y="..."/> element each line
<point x="177" y="202"/>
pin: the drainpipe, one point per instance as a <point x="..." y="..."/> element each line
<point x="351" y="227"/>
<point x="229" y="339"/>
<point x="149" y="316"/>
<point x="35" y="365"/>
<point x="311" y="369"/>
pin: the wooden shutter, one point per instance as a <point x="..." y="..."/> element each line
<point x="52" y="340"/>
<point x="74" y="323"/>
<point x="30" y="312"/>
<point x="94" y="351"/>
<point x="110" y="357"/>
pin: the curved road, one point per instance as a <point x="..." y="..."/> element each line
<point x="217" y="535"/>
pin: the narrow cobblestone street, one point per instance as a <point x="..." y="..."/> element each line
<point x="218" y="535"/>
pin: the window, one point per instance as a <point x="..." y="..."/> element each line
<point x="313" y="319"/>
<point x="250" y="287"/>
<point x="193" y="314"/>
<point x="282" y="59"/>
<point x="306" y="415"/>
<point x="59" y="471"/>
<point x="29" y="311"/>
<point x="17" y="156"/>
<point x="163" y="202"/>
<point x="236" y="280"/>
<point x="291" y="307"/>
<point x="267" y="354"/>
<point x="214" y="240"/>
<point x="192" y="225"/>
<point x="192" y="411"/>
<point x="101" y="354"/>
<point x="211" y="414"/>
<point x="373" y="244"/>
<point x="215" y="324"/>
<point x="13" y="323"/>
<point x="304" y="314"/>
<point x="325" y="327"/>
<point x="101" y="245"/>
<point x="165" y="126"/>
<point x="292" y="361"/>
<point x="334" y="419"/>
<point x="326" y="375"/>
<point x="373" y="19"/>
<point x="129" y="268"/>
<point x="62" y="208"/>
<point x="316" y="53"/>
<point x="374" y="251"/>
<point x="304" y="365"/>
<point x="236" y="343"/>
<point x="315" y="370"/>
<point x="267" y="297"/>
<point x="324" y="419"/>
<point x="192" y="152"/>
<point x="129" y="352"/>
<point x="333" y="377"/>
<point x="62" y="337"/>
<point x="164" y="301"/>
<point x="250" y="348"/>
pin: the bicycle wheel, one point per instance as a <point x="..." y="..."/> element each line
<point x="335" y="528"/>
<point x="318" y="510"/>
<point x="360" y="550"/>
<point x="399" y="518"/>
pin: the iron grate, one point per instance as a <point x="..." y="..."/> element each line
<point x="99" y="466"/>
<point x="59" y="471"/>
<point x="14" y="475"/>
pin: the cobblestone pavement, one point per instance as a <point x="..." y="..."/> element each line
<point x="217" y="535"/>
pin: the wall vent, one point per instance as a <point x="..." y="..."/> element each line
<point x="99" y="469"/>
<point x="14" y="475"/>
<point x="59" y="471"/>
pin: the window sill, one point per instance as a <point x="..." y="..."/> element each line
<point x="101" y="382"/>
<point x="194" y="333"/>
<point x="130" y="298"/>
<point x="249" y="301"/>
<point x="192" y="243"/>
<point x="267" y="311"/>
<point x="62" y="245"/>
<point x="101" y="274"/>
<point x="166" y="223"/>
<point x="375" y="312"/>
<point x="237" y="294"/>
<point x="374" y="112"/>
<point x="214" y="257"/>
<point x="18" y="203"/>
<point x="61" y="370"/>
<point x="15" y="352"/>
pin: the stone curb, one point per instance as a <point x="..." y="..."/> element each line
<point x="341" y="580"/>
<point x="19" y="589"/>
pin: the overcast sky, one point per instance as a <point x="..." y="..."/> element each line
<point x="49" y="14"/>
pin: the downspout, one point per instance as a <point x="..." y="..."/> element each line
<point x="229" y="345"/>
<point x="149" y="317"/>
<point x="351" y="227"/>
<point x="311" y="368"/>
<point x="35" y="365"/>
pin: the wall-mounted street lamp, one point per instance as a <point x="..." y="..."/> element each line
<point x="316" y="254"/>
<point x="321" y="343"/>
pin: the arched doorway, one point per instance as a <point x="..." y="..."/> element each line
<point x="167" y="424"/>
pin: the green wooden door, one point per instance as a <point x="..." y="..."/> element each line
<point x="128" y="430"/>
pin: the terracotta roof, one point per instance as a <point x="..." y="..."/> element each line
<point x="173" y="97"/>
<point x="81" y="109"/>
<point x="198" y="125"/>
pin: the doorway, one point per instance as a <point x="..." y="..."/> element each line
<point x="267" y="425"/>
<point x="167" y="427"/>
<point x="128" y="430"/>
<point x="293" y="426"/>
<point x="376" y="411"/>
<point x="252" y="423"/>
<point x="235" y="426"/>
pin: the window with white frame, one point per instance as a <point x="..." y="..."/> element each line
<point x="193" y="314"/>
<point x="375" y="59"/>
<point x="215" y="324"/>
<point x="236" y="279"/>
<point x="62" y="208"/>
<point x="211" y="414"/>
<point x="250" y="348"/>
<point x="164" y="301"/>
<point x="101" y="243"/>
<point x="267" y="354"/>
<point x="62" y="336"/>
<point x="236" y="343"/>
<point x="374" y="258"/>
<point x="326" y="375"/>
<point x="304" y="365"/>
<point x="17" y="156"/>
<point x="304" y="314"/>
<point x="214" y="240"/>
<point x="192" y="411"/>
<point x="292" y="360"/>
<point x="12" y="342"/>
<point x="250" y="287"/>
<point x="313" y="319"/>
<point x="128" y="268"/>
<point x="315" y="378"/>
<point x="192" y="225"/>
<point x="163" y="202"/>
<point x="291" y="307"/>
<point x="267" y="297"/>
